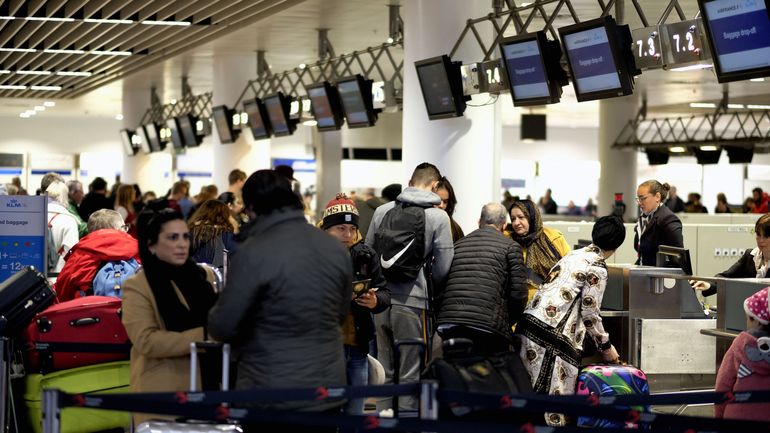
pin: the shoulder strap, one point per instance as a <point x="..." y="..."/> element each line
<point x="55" y="214"/>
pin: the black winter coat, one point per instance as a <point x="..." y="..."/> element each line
<point x="366" y="266"/>
<point x="487" y="284"/>
<point x="664" y="228"/>
<point x="288" y="292"/>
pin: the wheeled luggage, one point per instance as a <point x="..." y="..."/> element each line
<point x="608" y="380"/>
<point x="23" y="295"/>
<point x="111" y="377"/>
<point x="463" y="370"/>
<point x="155" y="426"/>
<point x="83" y="331"/>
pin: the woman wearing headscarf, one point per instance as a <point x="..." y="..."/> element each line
<point x="542" y="247"/>
<point x="165" y="305"/>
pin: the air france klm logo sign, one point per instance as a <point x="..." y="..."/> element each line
<point x="14" y="203"/>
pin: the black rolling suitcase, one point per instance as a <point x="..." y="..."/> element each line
<point x="22" y="296"/>
<point x="463" y="370"/>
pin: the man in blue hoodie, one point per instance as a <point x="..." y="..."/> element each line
<point x="410" y="293"/>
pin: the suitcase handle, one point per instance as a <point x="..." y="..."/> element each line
<point x="85" y="321"/>
<point x="206" y="345"/>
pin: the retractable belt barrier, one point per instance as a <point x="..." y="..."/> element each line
<point x="216" y="405"/>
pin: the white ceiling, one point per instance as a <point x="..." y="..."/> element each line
<point x="289" y="38"/>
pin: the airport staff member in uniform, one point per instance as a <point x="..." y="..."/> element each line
<point x="754" y="263"/>
<point x="657" y="224"/>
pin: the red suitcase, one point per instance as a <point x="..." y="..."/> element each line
<point x="83" y="331"/>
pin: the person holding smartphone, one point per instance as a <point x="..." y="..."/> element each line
<point x="340" y="220"/>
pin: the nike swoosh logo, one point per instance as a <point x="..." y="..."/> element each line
<point x="388" y="263"/>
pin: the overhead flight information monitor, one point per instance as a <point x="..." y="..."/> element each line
<point x="599" y="58"/>
<point x="526" y="72"/>
<point x="739" y="32"/>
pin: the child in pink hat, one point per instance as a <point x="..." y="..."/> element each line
<point x="746" y="365"/>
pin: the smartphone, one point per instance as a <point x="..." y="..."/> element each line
<point x="361" y="286"/>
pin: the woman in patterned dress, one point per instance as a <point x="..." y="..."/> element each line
<point x="565" y="309"/>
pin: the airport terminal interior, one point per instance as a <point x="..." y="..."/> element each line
<point x="151" y="92"/>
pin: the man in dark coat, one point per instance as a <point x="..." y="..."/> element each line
<point x="95" y="199"/>
<point x="288" y="292"/>
<point x="487" y="287"/>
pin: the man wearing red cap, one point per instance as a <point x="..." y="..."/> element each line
<point x="746" y="365"/>
<point x="340" y="219"/>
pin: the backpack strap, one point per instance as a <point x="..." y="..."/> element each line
<point x="50" y="226"/>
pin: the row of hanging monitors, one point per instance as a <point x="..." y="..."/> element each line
<point x="349" y="100"/>
<point x="600" y="60"/>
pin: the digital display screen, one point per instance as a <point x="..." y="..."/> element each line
<point x="176" y="137"/>
<point x="740" y="34"/>
<point x="125" y="138"/>
<point x="187" y="130"/>
<point x="153" y="137"/>
<point x="144" y="142"/>
<point x="353" y="101"/>
<point x="524" y="65"/>
<point x="256" y="123"/>
<point x="590" y="57"/>
<point x="222" y="122"/>
<point x="436" y="88"/>
<point x="277" y="115"/>
<point x="322" y="109"/>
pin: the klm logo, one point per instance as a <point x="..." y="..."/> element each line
<point x="750" y="4"/>
<point x="14" y="203"/>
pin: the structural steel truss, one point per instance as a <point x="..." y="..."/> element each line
<point x="720" y="128"/>
<point x="381" y="63"/>
<point x="523" y="17"/>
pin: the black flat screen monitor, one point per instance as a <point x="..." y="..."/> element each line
<point x="739" y="35"/>
<point x="144" y="142"/>
<point x="441" y="85"/>
<point x="530" y="72"/>
<point x="533" y="127"/>
<point x="278" y="108"/>
<point x="188" y="130"/>
<point x="128" y="146"/>
<point x="674" y="257"/>
<point x="598" y="64"/>
<point x="223" y="119"/>
<point x="259" y="123"/>
<point x="357" y="102"/>
<point x="153" y="137"/>
<point x="326" y="106"/>
<point x="176" y="136"/>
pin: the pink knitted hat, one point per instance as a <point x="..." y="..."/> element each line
<point x="756" y="306"/>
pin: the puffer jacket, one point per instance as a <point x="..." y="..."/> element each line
<point x="288" y="292"/>
<point x="487" y="284"/>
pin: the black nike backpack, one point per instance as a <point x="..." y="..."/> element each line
<point x="400" y="242"/>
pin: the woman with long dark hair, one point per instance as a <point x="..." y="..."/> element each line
<point x="542" y="247"/>
<point x="211" y="231"/>
<point x="445" y="190"/>
<point x="165" y="305"/>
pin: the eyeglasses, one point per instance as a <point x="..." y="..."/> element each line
<point x="125" y="227"/>
<point x="642" y="198"/>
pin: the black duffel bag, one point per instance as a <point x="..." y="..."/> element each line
<point x="462" y="370"/>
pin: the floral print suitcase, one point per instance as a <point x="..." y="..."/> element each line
<point x="604" y="380"/>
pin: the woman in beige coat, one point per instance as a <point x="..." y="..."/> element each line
<point x="165" y="306"/>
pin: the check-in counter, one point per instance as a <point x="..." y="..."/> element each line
<point x="731" y="318"/>
<point x="655" y="319"/>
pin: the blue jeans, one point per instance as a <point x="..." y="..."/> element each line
<point x="357" y="368"/>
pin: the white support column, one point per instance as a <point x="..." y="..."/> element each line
<point x="618" y="167"/>
<point x="230" y="76"/>
<point x="466" y="149"/>
<point x="328" y="166"/>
